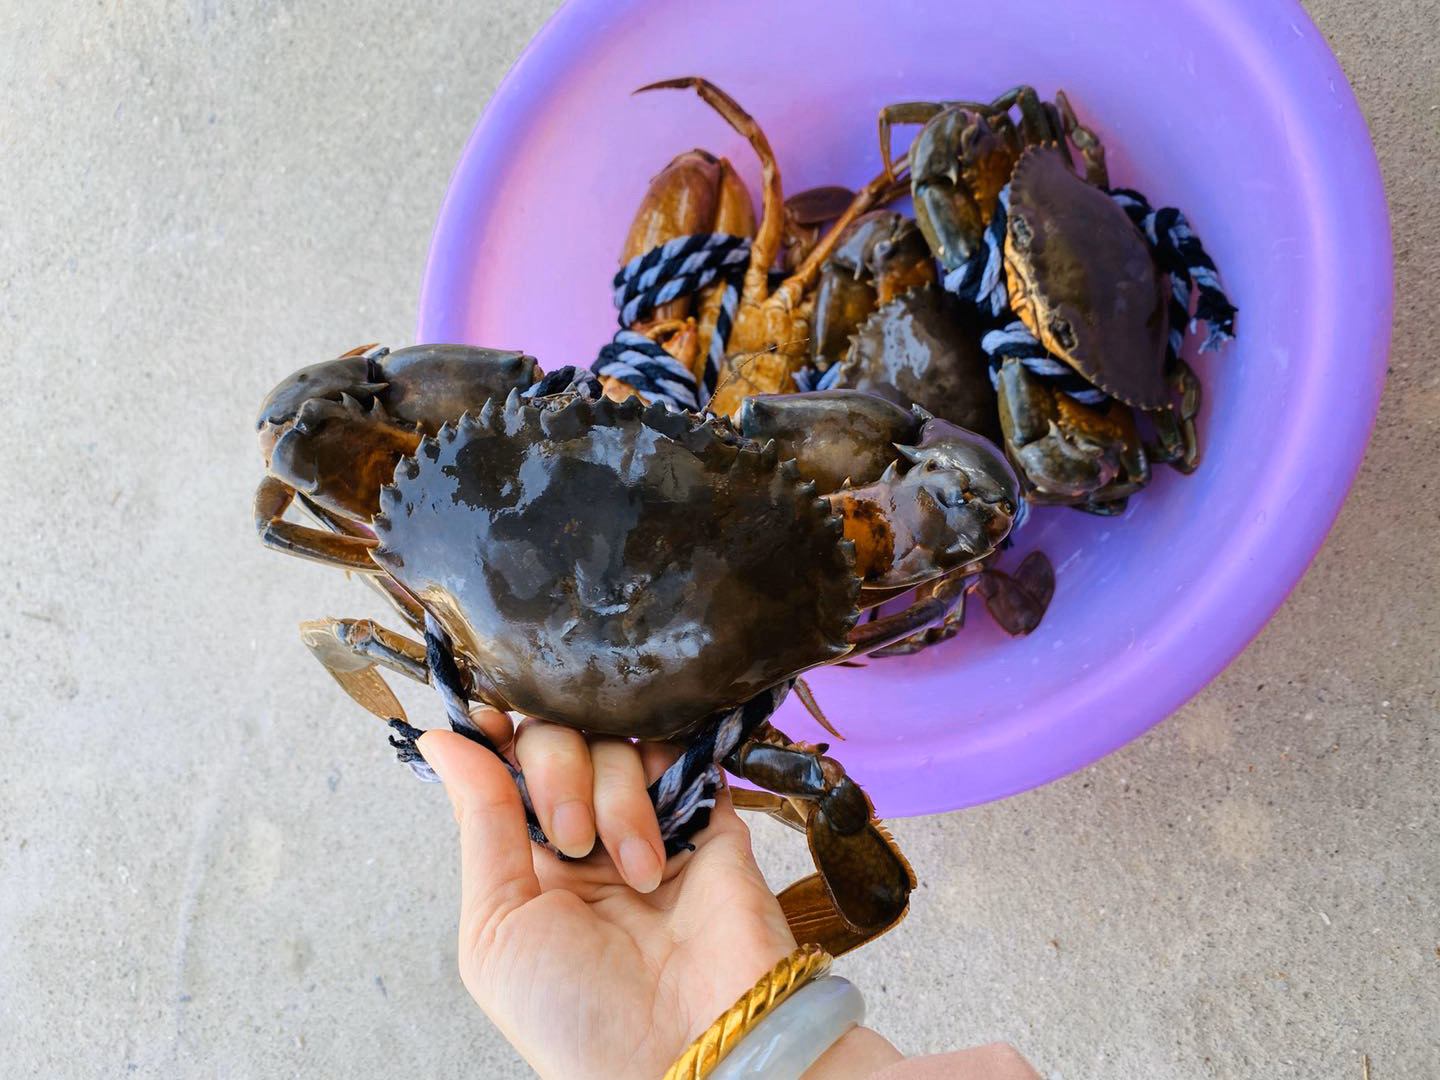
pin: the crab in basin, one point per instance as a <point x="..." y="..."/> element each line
<point x="1097" y="284"/>
<point x="766" y="327"/>
<point x="632" y="570"/>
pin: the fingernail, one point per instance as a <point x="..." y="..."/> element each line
<point x="639" y="864"/>
<point x="573" y="829"/>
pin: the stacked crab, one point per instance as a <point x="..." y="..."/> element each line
<point x="1025" y="301"/>
<point x="762" y="462"/>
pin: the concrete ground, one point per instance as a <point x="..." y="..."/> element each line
<point x="197" y="882"/>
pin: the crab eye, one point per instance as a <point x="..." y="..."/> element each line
<point x="1063" y="332"/>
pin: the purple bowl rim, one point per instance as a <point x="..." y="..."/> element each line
<point x="1361" y="194"/>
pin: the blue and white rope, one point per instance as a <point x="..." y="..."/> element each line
<point x="568" y="379"/>
<point x="689" y="786"/>
<point x="674" y="269"/>
<point x="809" y="378"/>
<point x="1015" y="342"/>
<point x="649" y="369"/>
<point x="1179" y="251"/>
<point x="980" y="279"/>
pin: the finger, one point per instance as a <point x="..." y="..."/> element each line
<point x="556" y="763"/>
<point x="494" y="724"/>
<point x="624" y="813"/>
<point x="497" y="874"/>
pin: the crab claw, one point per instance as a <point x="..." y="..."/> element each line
<point x="954" y="503"/>
<point x="945" y="446"/>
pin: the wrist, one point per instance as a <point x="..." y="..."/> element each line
<point x="859" y="1053"/>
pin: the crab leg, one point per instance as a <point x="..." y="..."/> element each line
<point x="864" y="883"/>
<point x="766" y="245"/>
<point x="933" y="603"/>
<point x="1086" y="141"/>
<point x="771" y="231"/>
<point x="272" y="498"/>
<point x="789" y="292"/>
<point x="1017" y="602"/>
<point x="352" y="650"/>
<point x="904" y="112"/>
<point x="1175" y="426"/>
<point x="778" y="807"/>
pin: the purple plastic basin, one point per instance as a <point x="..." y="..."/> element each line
<point x="1233" y="110"/>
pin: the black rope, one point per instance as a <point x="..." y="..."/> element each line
<point x="647" y="368"/>
<point x="1179" y="252"/>
<point x="676" y="268"/>
<point x="568" y="379"/>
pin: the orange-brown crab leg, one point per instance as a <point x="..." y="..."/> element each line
<point x="766" y="245"/>
<point x="769" y="235"/>
<point x="789" y="291"/>
<point x="353" y="650"/>
<point x="272" y="498"/>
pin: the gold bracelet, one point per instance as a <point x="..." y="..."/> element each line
<point x="802" y="966"/>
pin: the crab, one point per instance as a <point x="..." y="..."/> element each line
<point x="633" y="570"/>
<point x="1080" y="277"/>
<point x="769" y="335"/>
<point x="879" y="258"/>
<point x="882" y="325"/>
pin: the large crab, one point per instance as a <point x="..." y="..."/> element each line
<point x="1083" y="280"/>
<point x="633" y="570"/>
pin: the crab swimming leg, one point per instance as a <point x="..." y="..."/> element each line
<point x="863" y="884"/>
<point x="353" y="651"/>
<point x="1017" y="602"/>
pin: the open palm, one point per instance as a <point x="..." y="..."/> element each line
<point x="584" y="975"/>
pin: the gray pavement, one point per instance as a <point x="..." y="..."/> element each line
<point x="208" y="868"/>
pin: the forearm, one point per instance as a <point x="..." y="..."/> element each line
<point x="862" y="1054"/>
<point x="858" y="1054"/>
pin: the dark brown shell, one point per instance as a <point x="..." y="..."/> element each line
<point x="1083" y="279"/>
<point x="618" y="570"/>
<point x="922" y="349"/>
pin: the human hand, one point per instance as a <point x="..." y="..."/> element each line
<point x="586" y="975"/>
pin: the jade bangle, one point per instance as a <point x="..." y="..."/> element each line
<point x="791" y="1039"/>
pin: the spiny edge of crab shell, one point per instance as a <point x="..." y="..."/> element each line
<point x="749" y="460"/>
<point x="1027" y="162"/>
